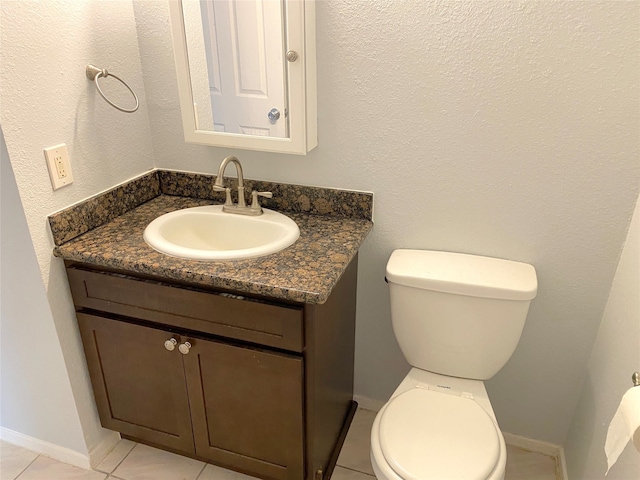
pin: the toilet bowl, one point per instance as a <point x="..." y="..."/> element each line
<point x="437" y="427"/>
<point x="457" y="319"/>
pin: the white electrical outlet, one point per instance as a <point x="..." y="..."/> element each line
<point x="59" y="166"/>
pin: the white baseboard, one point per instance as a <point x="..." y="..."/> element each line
<point x="108" y="442"/>
<point x="538" y="446"/>
<point x="533" y="445"/>
<point x="63" y="454"/>
<point x="562" y="461"/>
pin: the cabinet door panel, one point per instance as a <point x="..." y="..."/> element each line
<point x="247" y="409"/>
<point x="139" y="385"/>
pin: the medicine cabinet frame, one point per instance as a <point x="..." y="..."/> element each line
<point x="300" y="37"/>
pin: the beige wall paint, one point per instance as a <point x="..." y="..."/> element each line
<point x="36" y="393"/>
<point x="46" y="99"/>
<point x="615" y="356"/>
<point x="507" y="129"/>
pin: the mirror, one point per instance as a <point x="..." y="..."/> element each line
<point x="246" y="73"/>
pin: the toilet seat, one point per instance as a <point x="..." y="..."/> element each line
<point x="426" y="434"/>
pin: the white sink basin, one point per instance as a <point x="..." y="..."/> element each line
<point x="207" y="233"/>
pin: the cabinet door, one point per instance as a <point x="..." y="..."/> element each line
<point x="246" y="407"/>
<point x="139" y="385"/>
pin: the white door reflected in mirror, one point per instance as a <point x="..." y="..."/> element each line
<point x="246" y="73"/>
<point x="243" y="47"/>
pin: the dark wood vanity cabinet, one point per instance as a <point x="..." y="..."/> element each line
<point x="139" y="386"/>
<point x="229" y="404"/>
<point x="250" y="384"/>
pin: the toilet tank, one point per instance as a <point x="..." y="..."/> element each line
<point x="456" y="314"/>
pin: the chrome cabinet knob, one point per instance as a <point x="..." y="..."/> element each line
<point x="170" y="344"/>
<point x="184" y="347"/>
<point x="292" y="55"/>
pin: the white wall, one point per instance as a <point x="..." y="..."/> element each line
<point x="615" y="356"/>
<point x="507" y="129"/>
<point x="35" y="390"/>
<point x="498" y="128"/>
<point x="46" y="99"/>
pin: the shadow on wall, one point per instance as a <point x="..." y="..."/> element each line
<point x="37" y="402"/>
<point x="588" y="438"/>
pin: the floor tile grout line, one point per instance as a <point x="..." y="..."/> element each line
<point x="109" y="475"/>
<point x="201" y="470"/>
<point x="135" y="444"/>
<point x="38" y="455"/>
<point x="555" y="474"/>
<point x="357" y="471"/>
<point x="354" y="469"/>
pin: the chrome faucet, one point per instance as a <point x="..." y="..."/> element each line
<point x="241" y="207"/>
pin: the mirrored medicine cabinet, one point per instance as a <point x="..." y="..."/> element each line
<point x="246" y="73"/>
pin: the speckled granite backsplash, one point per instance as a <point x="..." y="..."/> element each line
<point x="104" y="207"/>
<point x="286" y="197"/>
<point x="73" y="221"/>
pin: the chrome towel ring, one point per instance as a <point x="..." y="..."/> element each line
<point x="93" y="73"/>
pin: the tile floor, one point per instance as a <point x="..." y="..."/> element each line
<point x="132" y="461"/>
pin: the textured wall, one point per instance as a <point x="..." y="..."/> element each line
<point x="614" y="358"/>
<point x="507" y="129"/>
<point x="36" y="393"/>
<point x="46" y="99"/>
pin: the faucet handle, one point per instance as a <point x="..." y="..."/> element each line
<point x="255" y="203"/>
<point x="227" y="200"/>
<point x="218" y="186"/>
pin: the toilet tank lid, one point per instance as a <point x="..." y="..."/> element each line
<point x="463" y="274"/>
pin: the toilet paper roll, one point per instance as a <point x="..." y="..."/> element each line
<point x="624" y="427"/>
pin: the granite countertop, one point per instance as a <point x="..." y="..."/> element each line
<point x="305" y="272"/>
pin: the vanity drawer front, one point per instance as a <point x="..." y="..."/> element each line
<point x="268" y="324"/>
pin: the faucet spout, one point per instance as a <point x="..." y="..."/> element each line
<point x="241" y="207"/>
<point x="218" y="185"/>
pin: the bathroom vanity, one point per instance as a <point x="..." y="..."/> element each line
<point x="244" y="364"/>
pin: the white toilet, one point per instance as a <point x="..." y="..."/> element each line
<point x="457" y="319"/>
